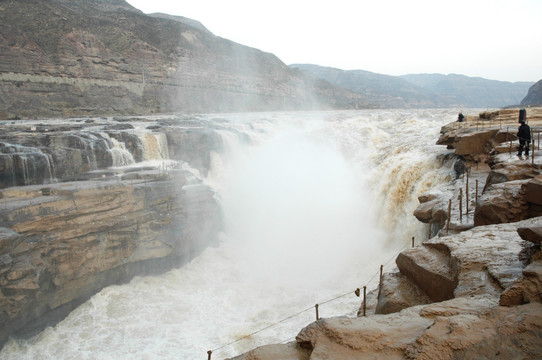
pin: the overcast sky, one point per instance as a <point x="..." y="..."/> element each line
<point x="493" y="39"/>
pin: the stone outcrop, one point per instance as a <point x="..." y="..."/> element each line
<point x="529" y="287"/>
<point x="76" y="224"/>
<point x="397" y="292"/>
<point x="451" y="329"/>
<point x="432" y="269"/>
<point x="456" y="328"/>
<point x="62" y="243"/>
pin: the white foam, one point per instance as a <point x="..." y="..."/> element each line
<point x="308" y="205"/>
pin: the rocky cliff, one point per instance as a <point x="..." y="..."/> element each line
<point x="534" y="96"/>
<point x="473" y="289"/>
<point x="72" y="221"/>
<point x="79" y="58"/>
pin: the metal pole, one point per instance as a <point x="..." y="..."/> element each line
<point x="209" y="354"/>
<point x="364" y="300"/>
<point x="449" y="215"/>
<point x="532" y="154"/>
<point x="467" y="194"/>
<point x="413" y="241"/>
<point x="510" y="141"/>
<point x="461" y="204"/>
<point x="317" y="316"/>
<point x="380" y="280"/>
<point x="476" y="194"/>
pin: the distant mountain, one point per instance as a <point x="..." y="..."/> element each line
<point x="534" y="95"/>
<point x="63" y="58"/>
<point x="423" y="90"/>
<point x="461" y="90"/>
<point x="385" y="90"/>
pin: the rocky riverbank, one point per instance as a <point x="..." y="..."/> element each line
<point x="474" y="288"/>
<point x="73" y="223"/>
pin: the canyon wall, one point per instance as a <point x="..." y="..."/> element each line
<point x="73" y="222"/>
<point x="85" y="58"/>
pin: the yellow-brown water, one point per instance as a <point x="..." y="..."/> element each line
<point x="313" y="202"/>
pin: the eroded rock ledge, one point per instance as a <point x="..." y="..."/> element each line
<point x="86" y="225"/>
<point x="475" y="287"/>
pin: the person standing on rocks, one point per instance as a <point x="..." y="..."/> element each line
<point x="524" y="133"/>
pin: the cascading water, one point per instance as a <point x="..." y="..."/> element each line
<point x="22" y="165"/>
<point x="154" y="146"/>
<point x="313" y="204"/>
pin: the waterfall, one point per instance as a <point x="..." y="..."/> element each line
<point x="313" y="202"/>
<point x="154" y="146"/>
<point x="22" y="165"/>
<point x="120" y="155"/>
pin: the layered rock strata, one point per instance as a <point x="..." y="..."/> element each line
<point x="62" y="58"/>
<point x="87" y="225"/>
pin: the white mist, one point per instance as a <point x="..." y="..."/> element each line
<point x="296" y="211"/>
<point x="313" y="204"/>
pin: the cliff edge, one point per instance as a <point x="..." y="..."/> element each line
<point x="473" y="289"/>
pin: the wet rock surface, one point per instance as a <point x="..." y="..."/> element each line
<point x="87" y="225"/>
<point x="473" y="289"/>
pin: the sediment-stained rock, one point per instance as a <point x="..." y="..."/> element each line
<point x="501" y="203"/>
<point x="457" y="328"/>
<point x="62" y="243"/>
<point x="532" y="234"/>
<point x="397" y="292"/>
<point x="431" y="269"/>
<point x="527" y="289"/>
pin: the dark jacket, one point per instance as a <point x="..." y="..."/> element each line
<point x="524" y="132"/>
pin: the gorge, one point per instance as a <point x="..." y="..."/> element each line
<point x="132" y="227"/>
<point x="263" y="171"/>
<point x="239" y="190"/>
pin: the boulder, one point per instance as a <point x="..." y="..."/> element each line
<point x="471" y="144"/>
<point x="501" y="203"/>
<point x="532" y="234"/>
<point x="431" y="269"/>
<point x="533" y="190"/>
<point x="527" y="289"/>
<point x="397" y="292"/>
<point x="432" y="211"/>
<point x="289" y="351"/>
<point x="510" y="173"/>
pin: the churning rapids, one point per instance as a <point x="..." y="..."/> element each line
<point x="313" y="203"/>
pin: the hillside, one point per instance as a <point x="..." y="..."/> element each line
<point x="92" y="57"/>
<point x="385" y="90"/>
<point x="422" y="90"/>
<point x="467" y="91"/>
